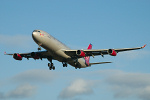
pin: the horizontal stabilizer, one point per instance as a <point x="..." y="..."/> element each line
<point x="99" y="63"/>
<point x="7" y="54"/>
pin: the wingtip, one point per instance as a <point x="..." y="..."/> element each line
<point x="4" y="53"/>
<point x="144" y="46"/>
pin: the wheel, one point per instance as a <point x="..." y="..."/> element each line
<point x="50" y="68"/>
<point x="39" y="49"/>
<point x="66" y="65"/>
<point x="53" y="68"/>
<point x="49" y="64"/>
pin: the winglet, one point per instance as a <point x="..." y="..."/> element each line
<point x="143" y="46"/>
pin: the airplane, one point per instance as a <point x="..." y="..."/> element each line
<point x="56" y="50"/>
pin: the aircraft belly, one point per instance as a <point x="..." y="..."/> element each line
<point x="61" y="56"/>
<point x="81" y="63"/>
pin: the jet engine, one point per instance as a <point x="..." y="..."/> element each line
<point x="112" y="52"/>
<point x="80" y="53"/>
<point x="17" y="56"/>
<point x="35" y="55"/>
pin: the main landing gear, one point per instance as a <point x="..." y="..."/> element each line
<point x="51" y="65"/>
<point x="64" y="64"/>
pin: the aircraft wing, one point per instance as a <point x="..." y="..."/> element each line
<point x="113" y="52"/>
<point x="35" y="55"/>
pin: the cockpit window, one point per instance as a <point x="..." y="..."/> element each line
<point x="36" y="31"/>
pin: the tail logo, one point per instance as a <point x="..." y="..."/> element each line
<point x="87" y="59"/>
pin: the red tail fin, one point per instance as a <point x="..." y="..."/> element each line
<point x="87" y="59"/>
<point x="90" y="46"/>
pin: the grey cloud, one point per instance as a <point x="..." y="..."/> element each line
<point x="17" y="40"/>
<point x="35" y="76"/>
<point x="145" y="93"/>
<point x="121" y="84"/>
<point x="22" y="91"/>
<point x="25" y="90"/>
<point x="2" y="96"/>
<point x="131" y="55"/>
<point x="129" y="84"/>
<point x="76" y="88"/>
<point x="130" y="79"/>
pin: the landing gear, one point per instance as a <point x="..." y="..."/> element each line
<point x="51" y="65"/>
<point x="76" y="62"/>
<point x="64" y="64"/>
<point x="39" y="48"/>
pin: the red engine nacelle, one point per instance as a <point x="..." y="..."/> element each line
<point x="112" y="52"/>
<point x="80" y="53"/>
<point x="17" y="56"/>
<point x="35" y="55"/>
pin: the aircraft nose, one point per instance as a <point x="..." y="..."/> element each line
<point x="35" y="35"/>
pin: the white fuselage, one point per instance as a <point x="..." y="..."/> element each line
<point x="55" y="48"/>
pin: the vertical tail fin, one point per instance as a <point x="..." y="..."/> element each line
<point x="87" y="59"/>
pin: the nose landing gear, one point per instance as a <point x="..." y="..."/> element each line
<point x="39" y="48"/>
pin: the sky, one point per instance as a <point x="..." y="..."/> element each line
<point x="104" y="23"/>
